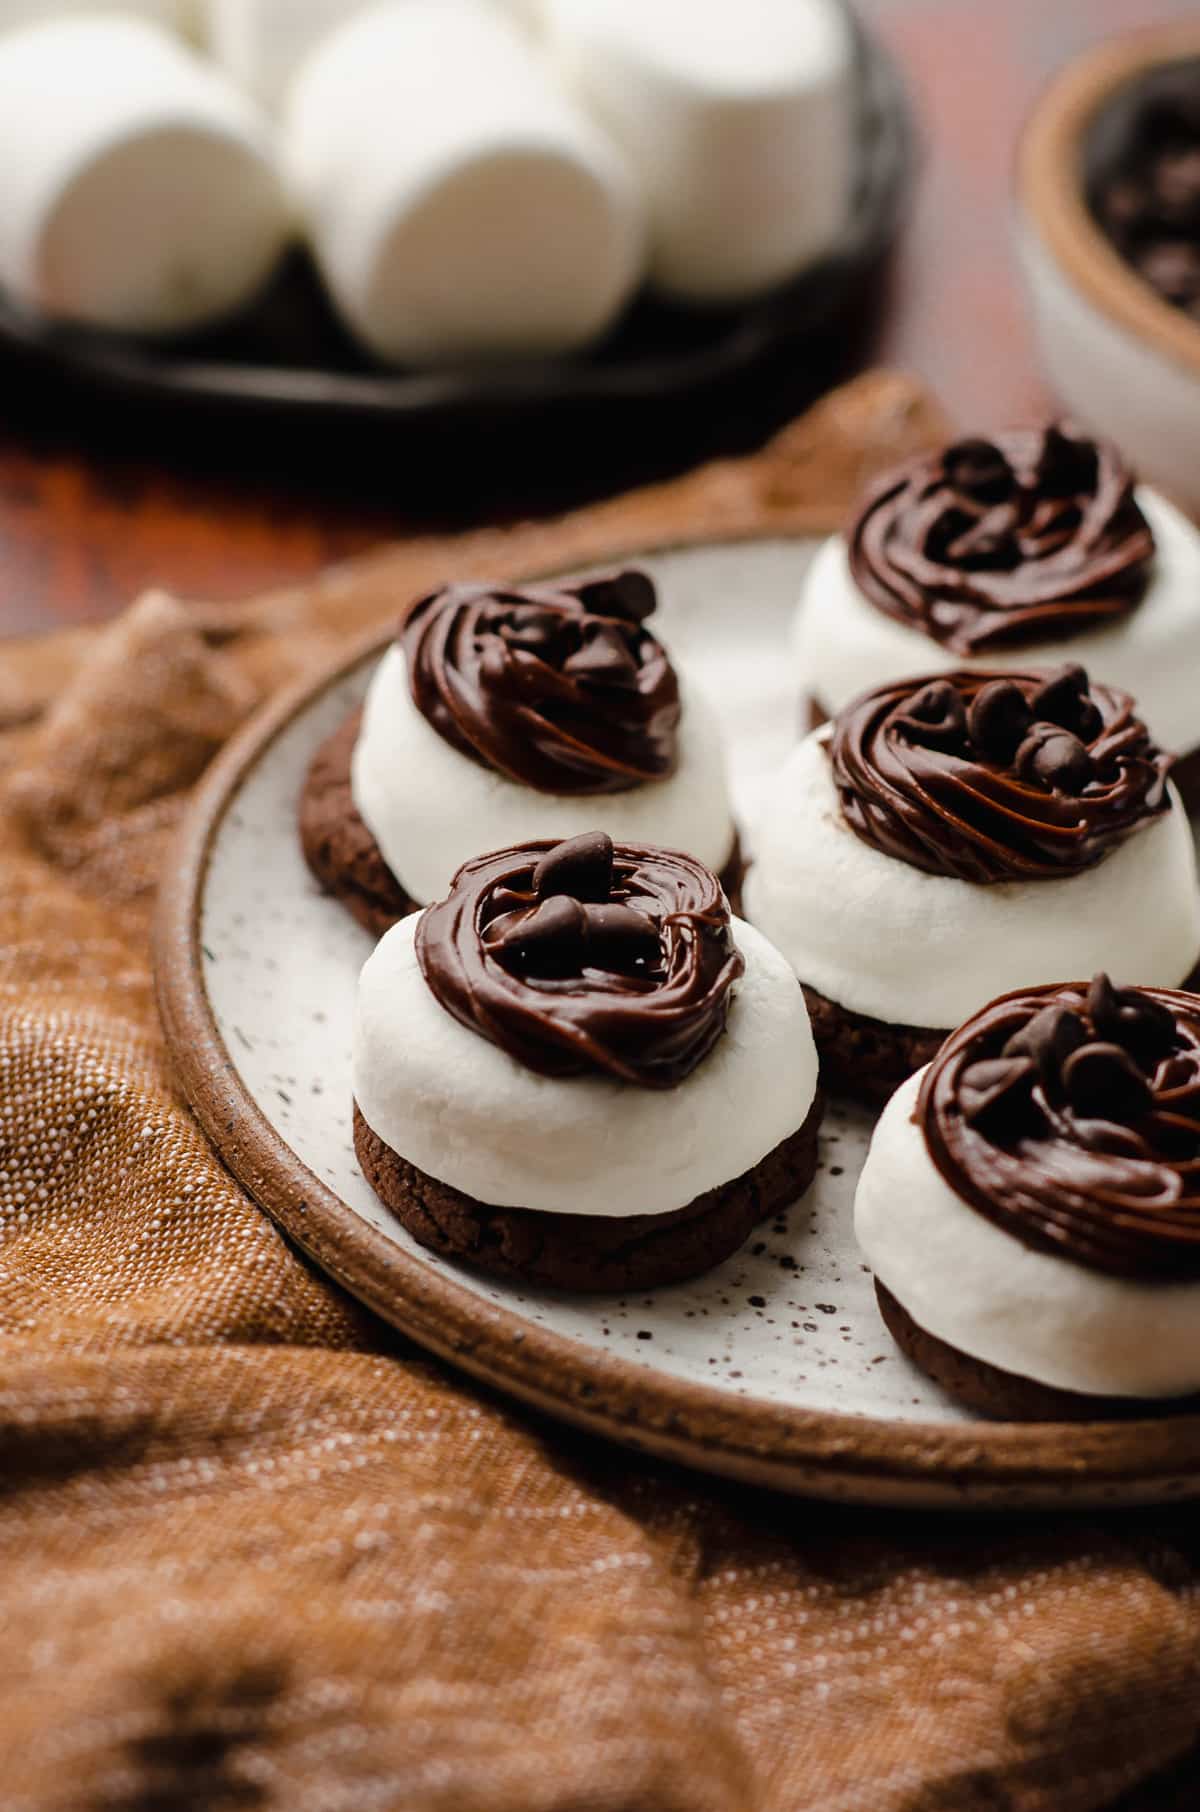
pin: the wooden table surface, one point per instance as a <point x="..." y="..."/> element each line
<point x="82" y="531"/>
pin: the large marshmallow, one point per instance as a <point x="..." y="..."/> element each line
<point x="464" y="1111"/>
<point x="740" y="120"/>
<point x="137" y="188"/>
<point x="430" y="808"/>
<point x="262" y="43"/>
<point x="178" y="15"/>
<point x="459" y="206"/>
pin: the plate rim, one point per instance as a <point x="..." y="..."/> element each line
<point x="833" y="1454"/>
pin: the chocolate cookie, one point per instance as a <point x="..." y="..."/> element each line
<point x="590" y="1253"/>
<point x="338" y="847"/>
<point x="867" y="1058"/>
<point x="1003" y="1396"/>
<point x="345" y="858"/>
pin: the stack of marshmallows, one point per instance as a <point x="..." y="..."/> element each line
<point x="477" y="179"/>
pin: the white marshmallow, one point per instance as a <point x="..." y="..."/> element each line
<point x="844" y="645"/>
<point x="177" y="15"/>
<point x="983" y="1291"/>
<point x="464" y="1111"/>
<point x="459" y="206"/>
<point x="917" y="949"/>
<point x="740" y="120"/>
<point x="430" y="808"/>
<point x="529" y="14"/>
<point x="137" y="189"/>
<point x="262" y="43"/>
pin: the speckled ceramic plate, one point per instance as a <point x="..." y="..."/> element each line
<point x="774" y="1368"/>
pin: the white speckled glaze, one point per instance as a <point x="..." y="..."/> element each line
<point x="791" y="1320"/>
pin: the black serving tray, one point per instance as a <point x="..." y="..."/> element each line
<point x="666" y="372"/>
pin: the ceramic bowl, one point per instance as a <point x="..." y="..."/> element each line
<point x="1124" y="362"/>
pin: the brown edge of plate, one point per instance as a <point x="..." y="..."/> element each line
<point x="1050" y="186"/>
<point x="854" y="1459"/>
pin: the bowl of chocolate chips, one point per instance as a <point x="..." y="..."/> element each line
<point x="1108" y="226"/>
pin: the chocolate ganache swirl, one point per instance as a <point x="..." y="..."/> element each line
<point x="1021" y="777"/>
<point x="577" y="958"/>
<point x="560" y="687"/>
<point x="1070" y="1116"/>
<point x="1029" y="537"/>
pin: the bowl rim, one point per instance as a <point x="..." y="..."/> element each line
<point x="1050" y="194"/>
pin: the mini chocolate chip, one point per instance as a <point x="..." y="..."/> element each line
<point x="494" y="661"/>
<point x="532" y="626"/>
<point x="979" y="470"/>
<point x="935" y="718"/>
<point x="999" y="719"/>
<point x="581" y="867"/>
<point x="1063" y="699"/>
<point x="1171" y="267"/>
<point x="1178" y="1072"/>
<point x="1144" y="1028"/>
<point x="996" y="1092"/>
<point x="1049" y="1038"/>
<point x="504" y="900"/>
<point x="619" y="938"/>
<point x="1177" y="183"/>
<point x="604" y="655"/>
<point x="1102" y="1082"/>
<point x="1056" y="758"/>
<point x="1067" y="467"/>
<point x="622" y="594"/>
<point x="549" y="943"/>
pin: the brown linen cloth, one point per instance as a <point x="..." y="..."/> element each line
<point x="256" y="1552"/>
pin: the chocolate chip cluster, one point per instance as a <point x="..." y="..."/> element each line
<point x="602" y="644"/>
<point x="1144" y="186"/>
<point x="1100" y="1061"/>
<point x="572" y="923"/>
<point x="1042" y="736"/>
<point x="560" y="687"/>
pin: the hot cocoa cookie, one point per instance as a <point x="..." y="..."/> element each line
<point x="502" y="712"/>
<point x="581" y="1069"/>
<point x="1031" y="1210"/>
<point x="945" y="839"/>
<point x="1024" y="549"/>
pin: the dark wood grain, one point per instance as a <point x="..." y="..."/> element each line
<point x="91" y="511"/>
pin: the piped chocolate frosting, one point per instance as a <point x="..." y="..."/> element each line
<point x="1031" y="536"/>
<point x="1019" y="777"/>
<point x="1070" y="1117"/>
<point x="560" y="687"/>
<point x="580" y="958"/>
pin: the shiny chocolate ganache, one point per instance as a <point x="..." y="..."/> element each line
<point x="986" y="778"/>
<point x="1030" y="536"/>
<point x="561" y="687"/>
<point x="579" y="958"/>
<point x="1070" y="1117"/>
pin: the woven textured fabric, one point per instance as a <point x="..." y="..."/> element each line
<point x="256" y="1552"/>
